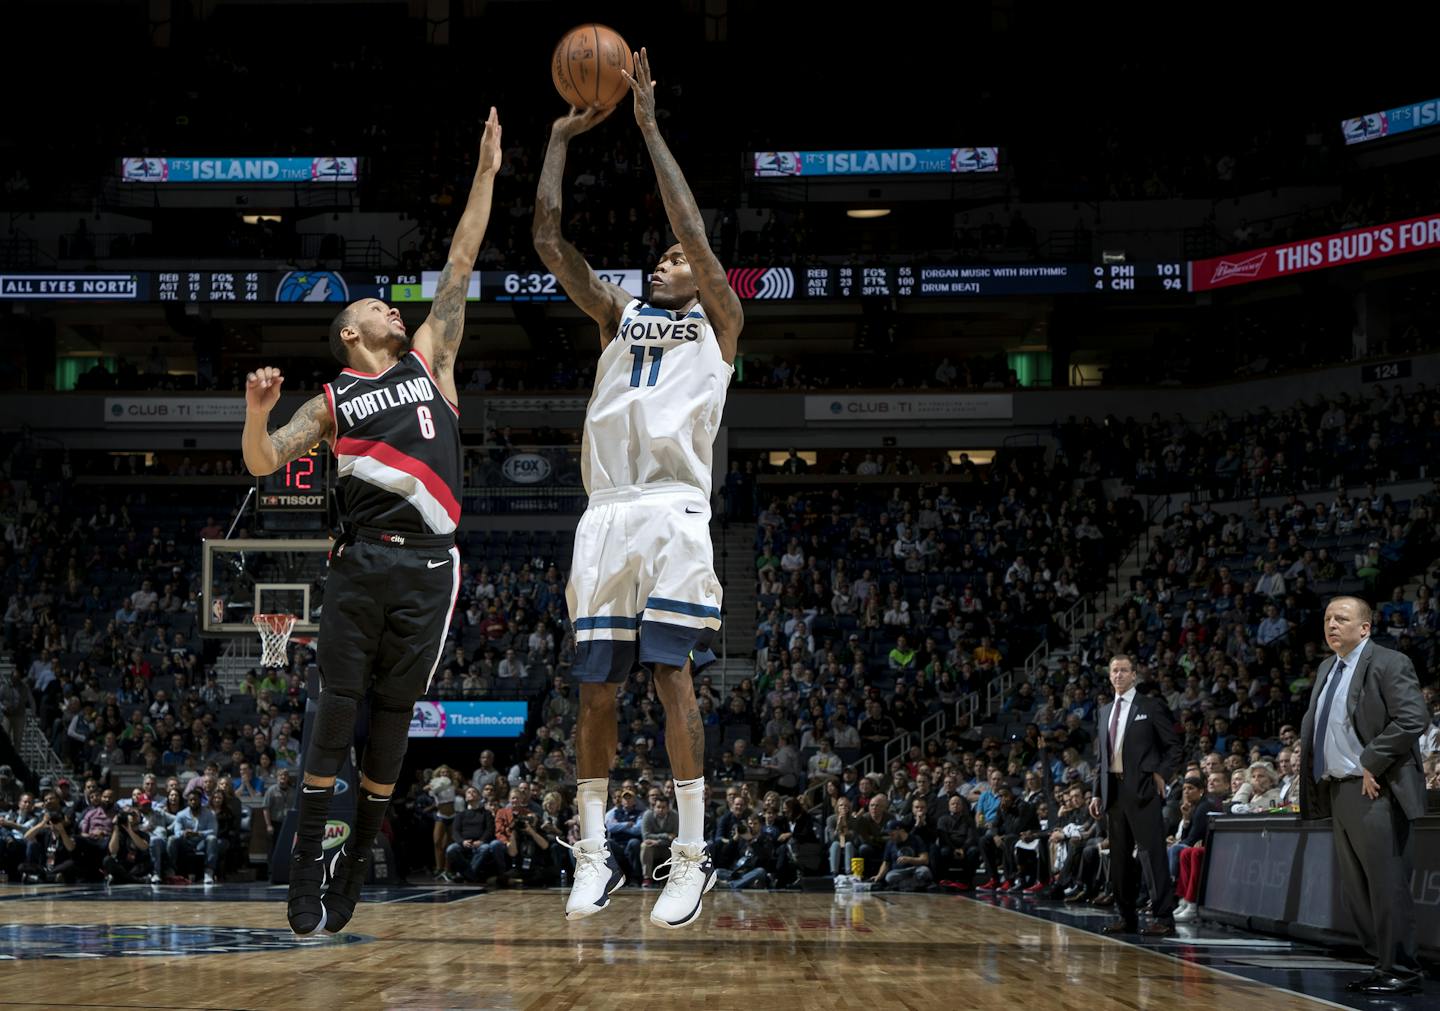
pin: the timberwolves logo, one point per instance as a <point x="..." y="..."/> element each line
<point x="312" y="286"/>
<point x="776" y="164"/>
<point x="144" y="170"/>
<point x="762" y="282"/>
<point x="427" y="720"/>
<point x="83" y="940"/>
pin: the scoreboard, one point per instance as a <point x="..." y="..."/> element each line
<point x="964" y="280"/>
<point x="208" y="286"/>
<point x="846" y="281"/>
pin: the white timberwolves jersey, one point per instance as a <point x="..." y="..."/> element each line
<point x="659" y="393"/>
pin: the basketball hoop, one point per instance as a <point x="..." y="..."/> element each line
<point x="274" y="632"/>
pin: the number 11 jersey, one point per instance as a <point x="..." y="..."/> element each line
<point x="397" y="440"/>
<point x="659" y="393"/>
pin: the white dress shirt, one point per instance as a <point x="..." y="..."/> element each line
<point x="1125" y="702"/>
<point x="1342" y="745"/>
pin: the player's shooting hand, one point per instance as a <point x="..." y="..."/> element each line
<point x="262" y="389"/>
<point x="577" y="121"/>
<point x="490" y="144"/>
<point x="642" y="86"/>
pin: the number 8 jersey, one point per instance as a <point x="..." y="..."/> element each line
<point x="397" y="440"/>
<point x="659" y="393"/>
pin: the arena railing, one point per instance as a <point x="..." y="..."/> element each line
<point x="1156" y="507"/>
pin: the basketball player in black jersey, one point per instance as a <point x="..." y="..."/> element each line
<point x="391" y="420"/>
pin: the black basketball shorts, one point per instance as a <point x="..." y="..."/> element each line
<point x="386" y="616"/>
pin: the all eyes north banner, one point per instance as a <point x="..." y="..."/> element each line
<point x="328" y="169"/>
<point x="904" y="161"/>
<point x="468" y="719"/>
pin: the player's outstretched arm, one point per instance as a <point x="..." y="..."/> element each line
<point x="604" y="303"/>
<point x="721" y="303"/>
<point x="438" y="338"/>
<point x="266" y="451"/>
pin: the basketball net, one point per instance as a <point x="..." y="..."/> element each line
<point x="274" y="632"/>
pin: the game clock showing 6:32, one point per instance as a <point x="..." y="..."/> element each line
<point x="299" y="486"/>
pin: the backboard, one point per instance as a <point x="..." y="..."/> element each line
<point x="245" y="577"/>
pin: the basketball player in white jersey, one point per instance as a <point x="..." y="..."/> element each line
<point x="642" y="587"/>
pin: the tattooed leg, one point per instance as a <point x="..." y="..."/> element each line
<point x="684" y="732"/>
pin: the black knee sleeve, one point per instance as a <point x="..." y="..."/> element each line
<point x="332" y="735"/>
<point x="385" y="750"/>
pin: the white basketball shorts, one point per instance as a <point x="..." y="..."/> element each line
<point x="642" y="585"/>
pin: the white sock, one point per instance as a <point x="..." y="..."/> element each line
<point x="690" y="796"/>
<point x="592" y="794"/>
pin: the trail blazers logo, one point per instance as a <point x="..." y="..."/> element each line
<point x="762" y="282"/>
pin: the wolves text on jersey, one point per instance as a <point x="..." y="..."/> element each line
<point x="362" y="405"/>
<point x="643" y="329"/>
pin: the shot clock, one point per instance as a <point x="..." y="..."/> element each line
<point x="301" y="486"/>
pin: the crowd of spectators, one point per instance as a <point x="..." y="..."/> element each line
<point x="1381" y="436"/>
<point x="877" y="606"/>
<point x="100" y="621"/>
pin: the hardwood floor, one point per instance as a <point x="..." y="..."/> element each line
<point x="445" y="948"/>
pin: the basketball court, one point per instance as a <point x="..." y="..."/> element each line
<point x="228" y="947"/>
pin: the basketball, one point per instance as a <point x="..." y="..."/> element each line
<point x="586" y="66"/>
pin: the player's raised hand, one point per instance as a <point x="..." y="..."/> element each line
<point x="643" y="88"/>
<point x="262" y="389"/>
<point x="577" y="121"/>
<point x="490" y="144"/>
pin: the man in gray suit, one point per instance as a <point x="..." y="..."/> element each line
<point x="1360" y="765"/>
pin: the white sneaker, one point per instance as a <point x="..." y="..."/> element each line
<point x="597" y="875"/>
<point x="209" y="878"/>
<point x="690" y="876"/>
<point x="1186" y="912"/>
<point x="154" y="879"/>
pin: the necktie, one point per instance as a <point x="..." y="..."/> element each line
<point x="1114" y="728"/>
<point x="1322" y="721"/>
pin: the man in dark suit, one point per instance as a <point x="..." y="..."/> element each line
<point x="1360" y="765"/>
<point x="1138" y="751"/>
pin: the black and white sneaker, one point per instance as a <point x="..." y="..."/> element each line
<point x="690" y="875"/>
<point x="597" y="875"/>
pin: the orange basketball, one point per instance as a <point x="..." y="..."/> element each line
<point x="586" y="67"/>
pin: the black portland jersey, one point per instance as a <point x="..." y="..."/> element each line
<point x="398" y="442"/>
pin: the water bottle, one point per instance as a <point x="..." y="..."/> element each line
<point x="862" y="886"/>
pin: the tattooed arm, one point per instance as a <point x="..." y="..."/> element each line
<point x="266" y="451"/>
<point x="438" y="338"/>
<point x="604" y="303"/>
<point x="722" y="305"/>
